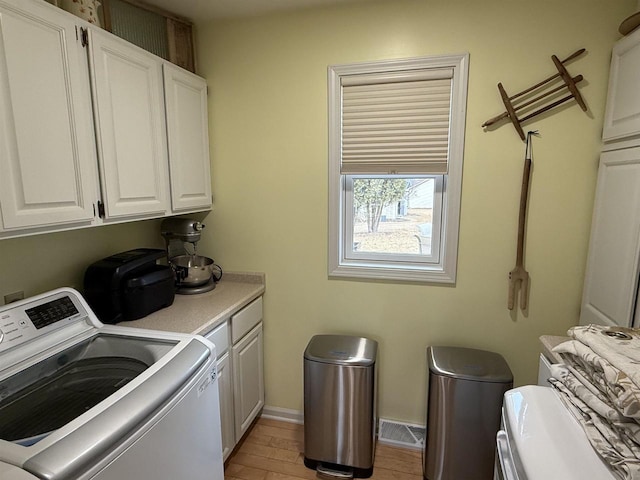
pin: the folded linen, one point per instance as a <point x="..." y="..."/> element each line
<point x="616" y="384"/>
<point x="620" y="346"/>
<point x="604" y="438"/>
<point x="600" y="382"/>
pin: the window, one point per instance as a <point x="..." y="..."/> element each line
<point x="396" y="141"/>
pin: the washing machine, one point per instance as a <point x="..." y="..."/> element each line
<point x="540" y="439"/>
<point x="81" y="400"/>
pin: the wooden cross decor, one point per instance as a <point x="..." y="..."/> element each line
<point x="541" y="97"/>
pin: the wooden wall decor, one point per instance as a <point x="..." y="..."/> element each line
<point x="519" y="277"/>
<point x="541" y="97"/>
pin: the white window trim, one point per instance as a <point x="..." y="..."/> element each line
<point x="445" y="270"/>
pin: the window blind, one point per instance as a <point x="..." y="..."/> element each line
<point x="396" y="123"/>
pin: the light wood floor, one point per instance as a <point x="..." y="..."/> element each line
<point x="273" y="450"/>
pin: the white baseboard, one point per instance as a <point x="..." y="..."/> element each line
<point x="296" y="416"/>
<point x="283" y="414"/>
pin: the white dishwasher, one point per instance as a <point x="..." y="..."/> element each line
<point x="82" y="400"/>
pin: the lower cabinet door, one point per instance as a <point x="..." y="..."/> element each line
<point x="225" y="385"/>
<point x="248" y="378"/>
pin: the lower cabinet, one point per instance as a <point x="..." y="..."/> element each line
<point x="248" y="379"/>
<point x="544" y="371"/>
<point x="239" y="349"/>
<point x="225" y="385"/>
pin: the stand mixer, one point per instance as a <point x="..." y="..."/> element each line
<point x="194" y="273"/>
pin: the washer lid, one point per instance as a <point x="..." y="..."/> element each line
<point x="73" y="449"/>
<point x="342" y="350"/>
<point x="51" y="393"/>
<point x="546" y="440"/>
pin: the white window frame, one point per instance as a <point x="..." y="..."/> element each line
<point x="381" y="258"/>
<point x="342" y="262"/>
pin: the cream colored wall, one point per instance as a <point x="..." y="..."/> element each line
<point x="268" y="112"/>
<point x="39" y="263"/>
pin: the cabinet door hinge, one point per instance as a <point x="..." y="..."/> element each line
<point x="84" y="36"/>
<point x="100" y="206"/>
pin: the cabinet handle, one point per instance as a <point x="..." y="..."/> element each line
<point x="100" y="205"/>
<point x="84" y="36"/>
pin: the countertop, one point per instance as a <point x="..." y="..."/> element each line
<point x="199" y="314"/>
<point x="548" y="343"/>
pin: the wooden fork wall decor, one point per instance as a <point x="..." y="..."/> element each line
<point x="519" y="277"/>
<point x="542" y="97"/>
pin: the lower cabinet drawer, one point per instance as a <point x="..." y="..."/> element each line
<point x="219" y="336"/>
<point x="247" y="318"/>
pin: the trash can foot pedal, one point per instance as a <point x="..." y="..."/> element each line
<point x="332" y="474"/>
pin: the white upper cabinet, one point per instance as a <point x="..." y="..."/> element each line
<point x="622" y="116"/>
<point x="611" y="281"/>
<point x="188" y="137"/>
<point x="610" y="295"/>
<point x="84" y="125"/>
<point x="130" y="127"/>
<point x="47" y="153"/>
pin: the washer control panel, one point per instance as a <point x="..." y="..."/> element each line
<point x="12" y="328"/>
<point x="51" y="312"/>
<point x="32" y="318"/>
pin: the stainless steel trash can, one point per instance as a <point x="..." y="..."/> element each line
<point x="340" y="405"/>
<point x="464" y="404"/>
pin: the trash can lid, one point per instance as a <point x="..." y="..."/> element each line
<point x="342" y="350"/>
<point x="469" y="364"/>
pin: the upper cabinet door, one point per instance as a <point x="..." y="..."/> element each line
<point x="47" y="153"/>
<point x="188" y="136"/>
<point x="611" y="280"/>
<point x="130" y="123"/>
<point x="622" y="116"/>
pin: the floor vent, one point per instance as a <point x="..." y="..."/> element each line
<point x="401" y="434"/>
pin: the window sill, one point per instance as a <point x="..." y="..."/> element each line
<point x="420" y="274"/>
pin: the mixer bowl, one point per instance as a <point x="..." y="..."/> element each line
<point x="194" y="270"/>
